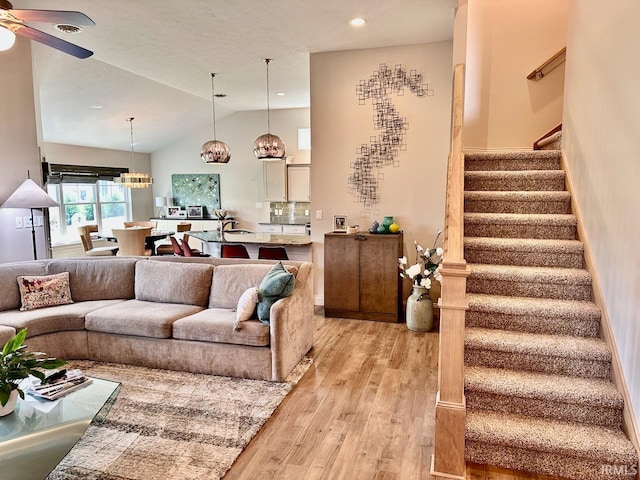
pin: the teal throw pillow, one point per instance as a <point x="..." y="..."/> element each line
<point x="277" y="284"/>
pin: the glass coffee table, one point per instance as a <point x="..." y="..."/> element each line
<point x="32" y="442"/>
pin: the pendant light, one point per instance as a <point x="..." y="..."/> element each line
<point x="133" y="179"/>
<point x="215" y="151"/>
<point x="268" y="147"/>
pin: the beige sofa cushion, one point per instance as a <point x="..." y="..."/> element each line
<point x="138" y="317"/>
<point x="9" y="291"/>
<point x="216" y="325"/>
<point x="173" y="282"/>
<point x="231" y="281"/>
<point x="97" y="278"/>
<point x="5" y="334"/>
<point x="52" y="319"/>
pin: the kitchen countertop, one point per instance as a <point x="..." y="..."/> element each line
<point x="256" y="238"/>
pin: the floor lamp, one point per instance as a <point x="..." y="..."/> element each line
<point x="30" y="195"/>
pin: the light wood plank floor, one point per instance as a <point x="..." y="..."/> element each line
<point x="364" y="410"/>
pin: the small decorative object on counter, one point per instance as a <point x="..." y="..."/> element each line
<point x="374" y="227"/>
<point x="387" y="222"/>
<point x="381" y="229"/>
<point x="351" y="229"/>
<point x="419" y="314"/>
<point x="394" y="228"/>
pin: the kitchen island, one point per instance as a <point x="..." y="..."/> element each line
<point x="298" y="247"/>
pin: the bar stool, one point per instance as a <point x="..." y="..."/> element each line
<point x="272" y="253"/>
<point x="233" y="251"/>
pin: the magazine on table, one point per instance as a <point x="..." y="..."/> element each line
<point x="59" y="383"/>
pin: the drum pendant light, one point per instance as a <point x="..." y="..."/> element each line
<point x="215" y="151"/>
<point x="133" y="179"/>
<point x="268" y="147"/>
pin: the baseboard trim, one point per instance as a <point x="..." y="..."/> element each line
<point x="629" y="423"/>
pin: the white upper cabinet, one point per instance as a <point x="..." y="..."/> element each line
<point x="275" y="181"/>
<point x="298" y="183"/>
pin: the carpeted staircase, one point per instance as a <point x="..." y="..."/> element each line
<point x="537" y="382"/>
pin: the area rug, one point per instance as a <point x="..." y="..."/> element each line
<point x="172" y="425"/>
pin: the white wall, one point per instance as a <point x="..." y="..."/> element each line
<point x="141" y="198"/>
<point x="600" y="140"/>
<point x="19" y="149"/>
<point x="414" y="193"/>
<point x="241" y="184"/>
<point x="505" y="41"/>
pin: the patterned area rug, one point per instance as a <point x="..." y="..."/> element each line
<point x="172" y="425"/>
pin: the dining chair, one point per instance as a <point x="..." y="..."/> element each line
<point x="87" y="244"/>
<point x="141" y="223"/>
<point x="169" y="248"/>
<point x="272" y="253"/>
<point x="190" y="252"/>
<point x="233" y="251"/>
<point x="131" y="241"/>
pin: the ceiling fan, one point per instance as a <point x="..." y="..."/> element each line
<point x="14" y="21"/>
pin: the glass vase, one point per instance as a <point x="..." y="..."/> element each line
<point x="419" y="314"/>
<point x="386" y="223"/>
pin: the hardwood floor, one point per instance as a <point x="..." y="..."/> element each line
<point x="364" y="410"/>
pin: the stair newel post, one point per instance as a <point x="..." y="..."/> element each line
<point x="448" y="460"/>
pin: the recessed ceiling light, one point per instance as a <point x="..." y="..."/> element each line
<point x="280" y="94"/>
<point x="96" y="107"/>
<point x="357" y="22"/>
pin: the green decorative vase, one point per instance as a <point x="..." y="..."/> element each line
<point x="386" y="223"/>
<point x="419" y="310"/>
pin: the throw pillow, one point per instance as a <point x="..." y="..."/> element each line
<point x="44" y="290"/>
<point x="278" y="283"/>
<point x="246" y="306"/>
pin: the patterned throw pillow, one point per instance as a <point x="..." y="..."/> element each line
<point x="44" y="290"/>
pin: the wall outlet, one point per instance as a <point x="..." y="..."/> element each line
<point x="318" y="214"/>
<point x="258" y="204"/>
<point x="18" y="222"/>
<point x="26" y="221"/>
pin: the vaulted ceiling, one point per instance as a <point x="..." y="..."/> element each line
<point x="152" y="60"/>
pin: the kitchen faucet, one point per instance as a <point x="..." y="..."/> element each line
<point x="223" y="223"/>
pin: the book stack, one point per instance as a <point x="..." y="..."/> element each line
<point x="59" y="384"/>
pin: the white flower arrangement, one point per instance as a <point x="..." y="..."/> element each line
<point x="427" y="266"/>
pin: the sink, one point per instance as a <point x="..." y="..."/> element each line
<point x="237" y="230"/>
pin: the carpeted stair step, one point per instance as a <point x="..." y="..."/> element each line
<point x="517" y="225"/>
<point x="533" y="315"/>
<point x="539" y="282"/>
<point x="528" y="180"/>
<point x="566" y="449"/>
<point x="561" y="355"/>
<point x="552" y="142"/>
<point x="584" y="400"/>
<point x="524" y="252"/>
<point x="529" y="160"/>
<point x="517" y="202"/>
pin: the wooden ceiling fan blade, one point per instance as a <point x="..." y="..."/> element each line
<point x="51" y="41"/>
<point x="53" y="16"/>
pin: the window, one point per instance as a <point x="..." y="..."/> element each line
<point x="104" y="203"/>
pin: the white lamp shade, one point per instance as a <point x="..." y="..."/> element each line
<point x="7" y="39"/>
<point x="29" y="195"/>
<point x="161" y="201"/>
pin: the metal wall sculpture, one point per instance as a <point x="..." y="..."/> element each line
<point x="382" y="151"/>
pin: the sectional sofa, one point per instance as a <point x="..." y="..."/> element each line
<point x="166" y="312"/>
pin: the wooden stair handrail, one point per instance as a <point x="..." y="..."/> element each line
<point x="557" y="128"/>
<point x="448" y="460"/>
<point x="554" y="61"/>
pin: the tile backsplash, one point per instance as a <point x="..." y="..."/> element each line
<point x="290" y="212"/>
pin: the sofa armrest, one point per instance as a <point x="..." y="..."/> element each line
<point x="291" y="325"/>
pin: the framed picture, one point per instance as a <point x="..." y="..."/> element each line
<point x="173" y="212"/>
<point x="194" y="211"/>
<point x="340" y="223"/>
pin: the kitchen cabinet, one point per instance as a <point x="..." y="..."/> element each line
<point x="269" y="228"/>
<point x="282" y="229"/>
<point x="361" y="277"/>
<point x="298" y="183"/>
<point x="275" y="180"/>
